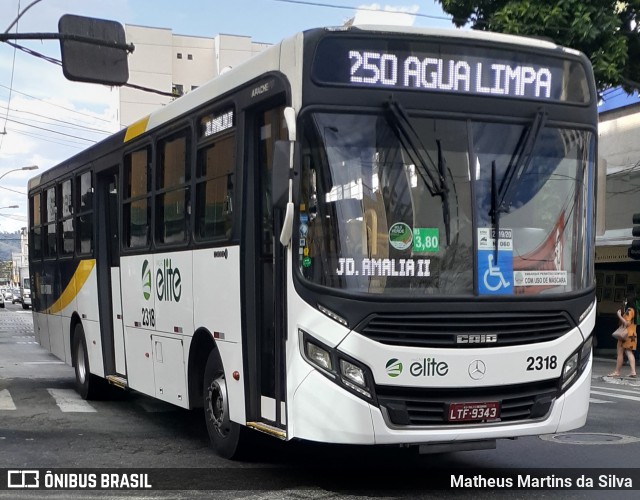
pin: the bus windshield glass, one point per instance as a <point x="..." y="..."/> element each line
<point x="371" y="221"/>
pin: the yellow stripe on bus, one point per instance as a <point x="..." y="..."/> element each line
<point x="75" y="285"/>
<point x="137" y="128"/>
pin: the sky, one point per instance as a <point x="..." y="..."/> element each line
<point x="45" y="118"/>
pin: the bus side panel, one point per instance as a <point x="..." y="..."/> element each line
<point x="172" y="286"/>
<point x="138" y="310"/>
<point x="94" y="346"/>
<point x="56" y="336"/>
<point x="86" y="287"/>
<point x="139" y="360"/>
<point x="87" y="293"/>
<point x="216" y="307"/>
<point x="42" y="330"/>
<point x="118" y="327"/>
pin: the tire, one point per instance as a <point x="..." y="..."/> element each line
<point x="24" y="306"/>
<point x="88" y="386"/>
<point x="228" y="439"/>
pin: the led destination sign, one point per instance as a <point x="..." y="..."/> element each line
<point x="434" y="67"/>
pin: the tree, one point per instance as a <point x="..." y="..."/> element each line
<point x="606" y="31"/>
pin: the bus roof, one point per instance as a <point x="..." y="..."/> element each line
<point x="266" y="61"/>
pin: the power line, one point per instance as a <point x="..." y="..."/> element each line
<point x="57" y="105"/>
<point x="20" y="14"/>
<point x="59" y="63"/>
<point x="45" y="138"/>
<point x="13" y="190"/>
<point x="370" y="9"/>
<point x="13" y="68"/>
<point x="49" y="130"/>
<point x="66" y="123"/>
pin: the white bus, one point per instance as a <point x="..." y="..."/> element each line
<point x="376" y="236"/>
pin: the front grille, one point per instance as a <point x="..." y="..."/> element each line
<point x="442" y="329"/>
<point x="428" y="406"/>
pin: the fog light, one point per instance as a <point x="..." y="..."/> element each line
<point x="352" y="372"/>
<point x="319" y="356"/>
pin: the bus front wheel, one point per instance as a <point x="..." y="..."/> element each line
<point x="87" y="385"/>
<point x="227" y="438"/>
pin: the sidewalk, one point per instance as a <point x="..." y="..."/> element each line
<point x="602" y="366"/>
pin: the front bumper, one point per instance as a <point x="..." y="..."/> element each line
<point x="322" y="411"/>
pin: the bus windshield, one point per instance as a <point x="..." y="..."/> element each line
<point x="371" y="220"/>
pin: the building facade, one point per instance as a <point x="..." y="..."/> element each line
<point x="175" y="64"/>
<point x="617" y="276"/>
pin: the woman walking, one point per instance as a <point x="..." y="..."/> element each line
<point x="627" y="346"/>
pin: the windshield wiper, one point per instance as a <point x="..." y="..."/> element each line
<point x="435" y="179"/>
<point x="518" y="166"/>
<point x="444" y="195"/>
<point x="408" y="137"/>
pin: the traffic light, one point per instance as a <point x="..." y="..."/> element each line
<point x="634" y="250"/>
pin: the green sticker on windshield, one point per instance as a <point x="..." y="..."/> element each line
<point x="425" y="239"/>
<point x="400" y="236"/>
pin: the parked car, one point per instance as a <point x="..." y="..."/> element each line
<point x="7" y="294"/>
<point x="15" y="296"/>
<point x="1" y="300"/>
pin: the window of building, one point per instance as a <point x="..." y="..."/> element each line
<point x="190" y="57"/>
<point x="137" y="194"/>
<point x="193" y="87"/>
<point x="84" y="213"/>
<point x="215" y="183"/>
<point x="65" y="226"/>
<point x="179" y="55"/>
<point x="177" y="89"/>
<point x="172" y="192"/>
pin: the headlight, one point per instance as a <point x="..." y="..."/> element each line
<point x="352" y="372"/>
<point x="318" y="356"/>
<point x="570" y="369"/>
<point x="576" y="363"/>
<point x="348" y="373"/>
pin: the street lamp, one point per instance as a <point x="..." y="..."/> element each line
<point x="30" y="167"/>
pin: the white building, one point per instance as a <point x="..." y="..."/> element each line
<point x="619" y="152"/>
<point x="175" y="64"/>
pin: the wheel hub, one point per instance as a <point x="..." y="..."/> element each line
<point x="217" y="410"/>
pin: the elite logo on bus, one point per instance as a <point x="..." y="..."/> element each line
<point x="146" y="280"/>
<point x="394" y="367"/>
<point x="427" y="367"/>
<point x="168" y="281"/>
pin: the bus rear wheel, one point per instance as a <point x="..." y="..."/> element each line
<point x="227" y="438"/>
<point x="88" y="386"/>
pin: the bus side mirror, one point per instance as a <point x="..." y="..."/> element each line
<point x="280" y="174"/>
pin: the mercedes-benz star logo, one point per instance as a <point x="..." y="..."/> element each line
<point x="477" y="369"/>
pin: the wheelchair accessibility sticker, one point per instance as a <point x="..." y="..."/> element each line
<point x="495" y="276"/>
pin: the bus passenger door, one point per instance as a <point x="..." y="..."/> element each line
<point x="108" y="271"/>
<point x="268" y="393"/>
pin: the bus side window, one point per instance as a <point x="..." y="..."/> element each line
<point x="65" y="226"/>
<point x="50" y="223"/>
<point x="84" y="213"/>
<point x="136" y="206"/>
<point x="172" y="194"/>
<point x="36" y="229"/>
<point x="215" y="180"/>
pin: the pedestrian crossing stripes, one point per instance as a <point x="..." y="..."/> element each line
<point x="6" y="403"/>
<point x="611" y="392"/>
<point x="69" y="401"/>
